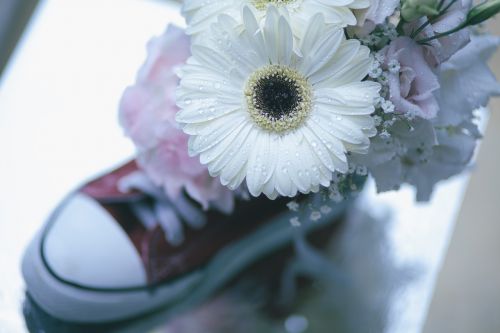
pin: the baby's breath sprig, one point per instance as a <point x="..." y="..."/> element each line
<point x="385" y="115"/>
<point x="342" y="188"/>
<point x="381" y="36"/>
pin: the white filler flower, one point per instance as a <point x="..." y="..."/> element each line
<point x="257" y="110"/>
<point x="200" y="14"/>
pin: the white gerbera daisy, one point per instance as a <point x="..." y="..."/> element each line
<point x="200" y="14"/>
<point x="257" y="110"/>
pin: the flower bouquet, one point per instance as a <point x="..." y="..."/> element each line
<point x="254" y="127"/>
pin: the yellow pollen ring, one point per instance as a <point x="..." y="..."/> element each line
<point x="262" y="4"/>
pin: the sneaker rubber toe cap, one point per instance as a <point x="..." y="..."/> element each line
<point x="84" y="245"/>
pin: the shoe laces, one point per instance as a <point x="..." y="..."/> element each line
<point x="170" y="214"/>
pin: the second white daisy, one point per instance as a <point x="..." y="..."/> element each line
<point x="256" y="110"/>
<point x="200" y="14"/>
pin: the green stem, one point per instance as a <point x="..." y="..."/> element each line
<point x="399" y="27"/>
<point x="433" y="19"/>
<point x="447" y="7"/>
<point x="420" y="29"/>
<point x="441" y="4"/>
<point x="443" y="34"/>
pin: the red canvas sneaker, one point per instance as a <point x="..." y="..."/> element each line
<point x="107" y="254"/>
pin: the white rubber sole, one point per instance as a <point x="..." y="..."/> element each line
<point x="79" y="304"/>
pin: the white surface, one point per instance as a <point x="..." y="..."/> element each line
<point x="58" y="101"/>
<point x="418" y="235"/>
<point x="104" y="259"/>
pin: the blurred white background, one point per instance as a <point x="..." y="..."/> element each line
<point x="58" y="115"/>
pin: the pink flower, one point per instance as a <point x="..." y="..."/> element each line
<point x="441" y="49"/>
<point x="378" y="11"/>
<point x="147" y="114"/>
<point x="411" y="88"/>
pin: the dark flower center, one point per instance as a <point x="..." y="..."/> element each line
<point x="278" y="98"/>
